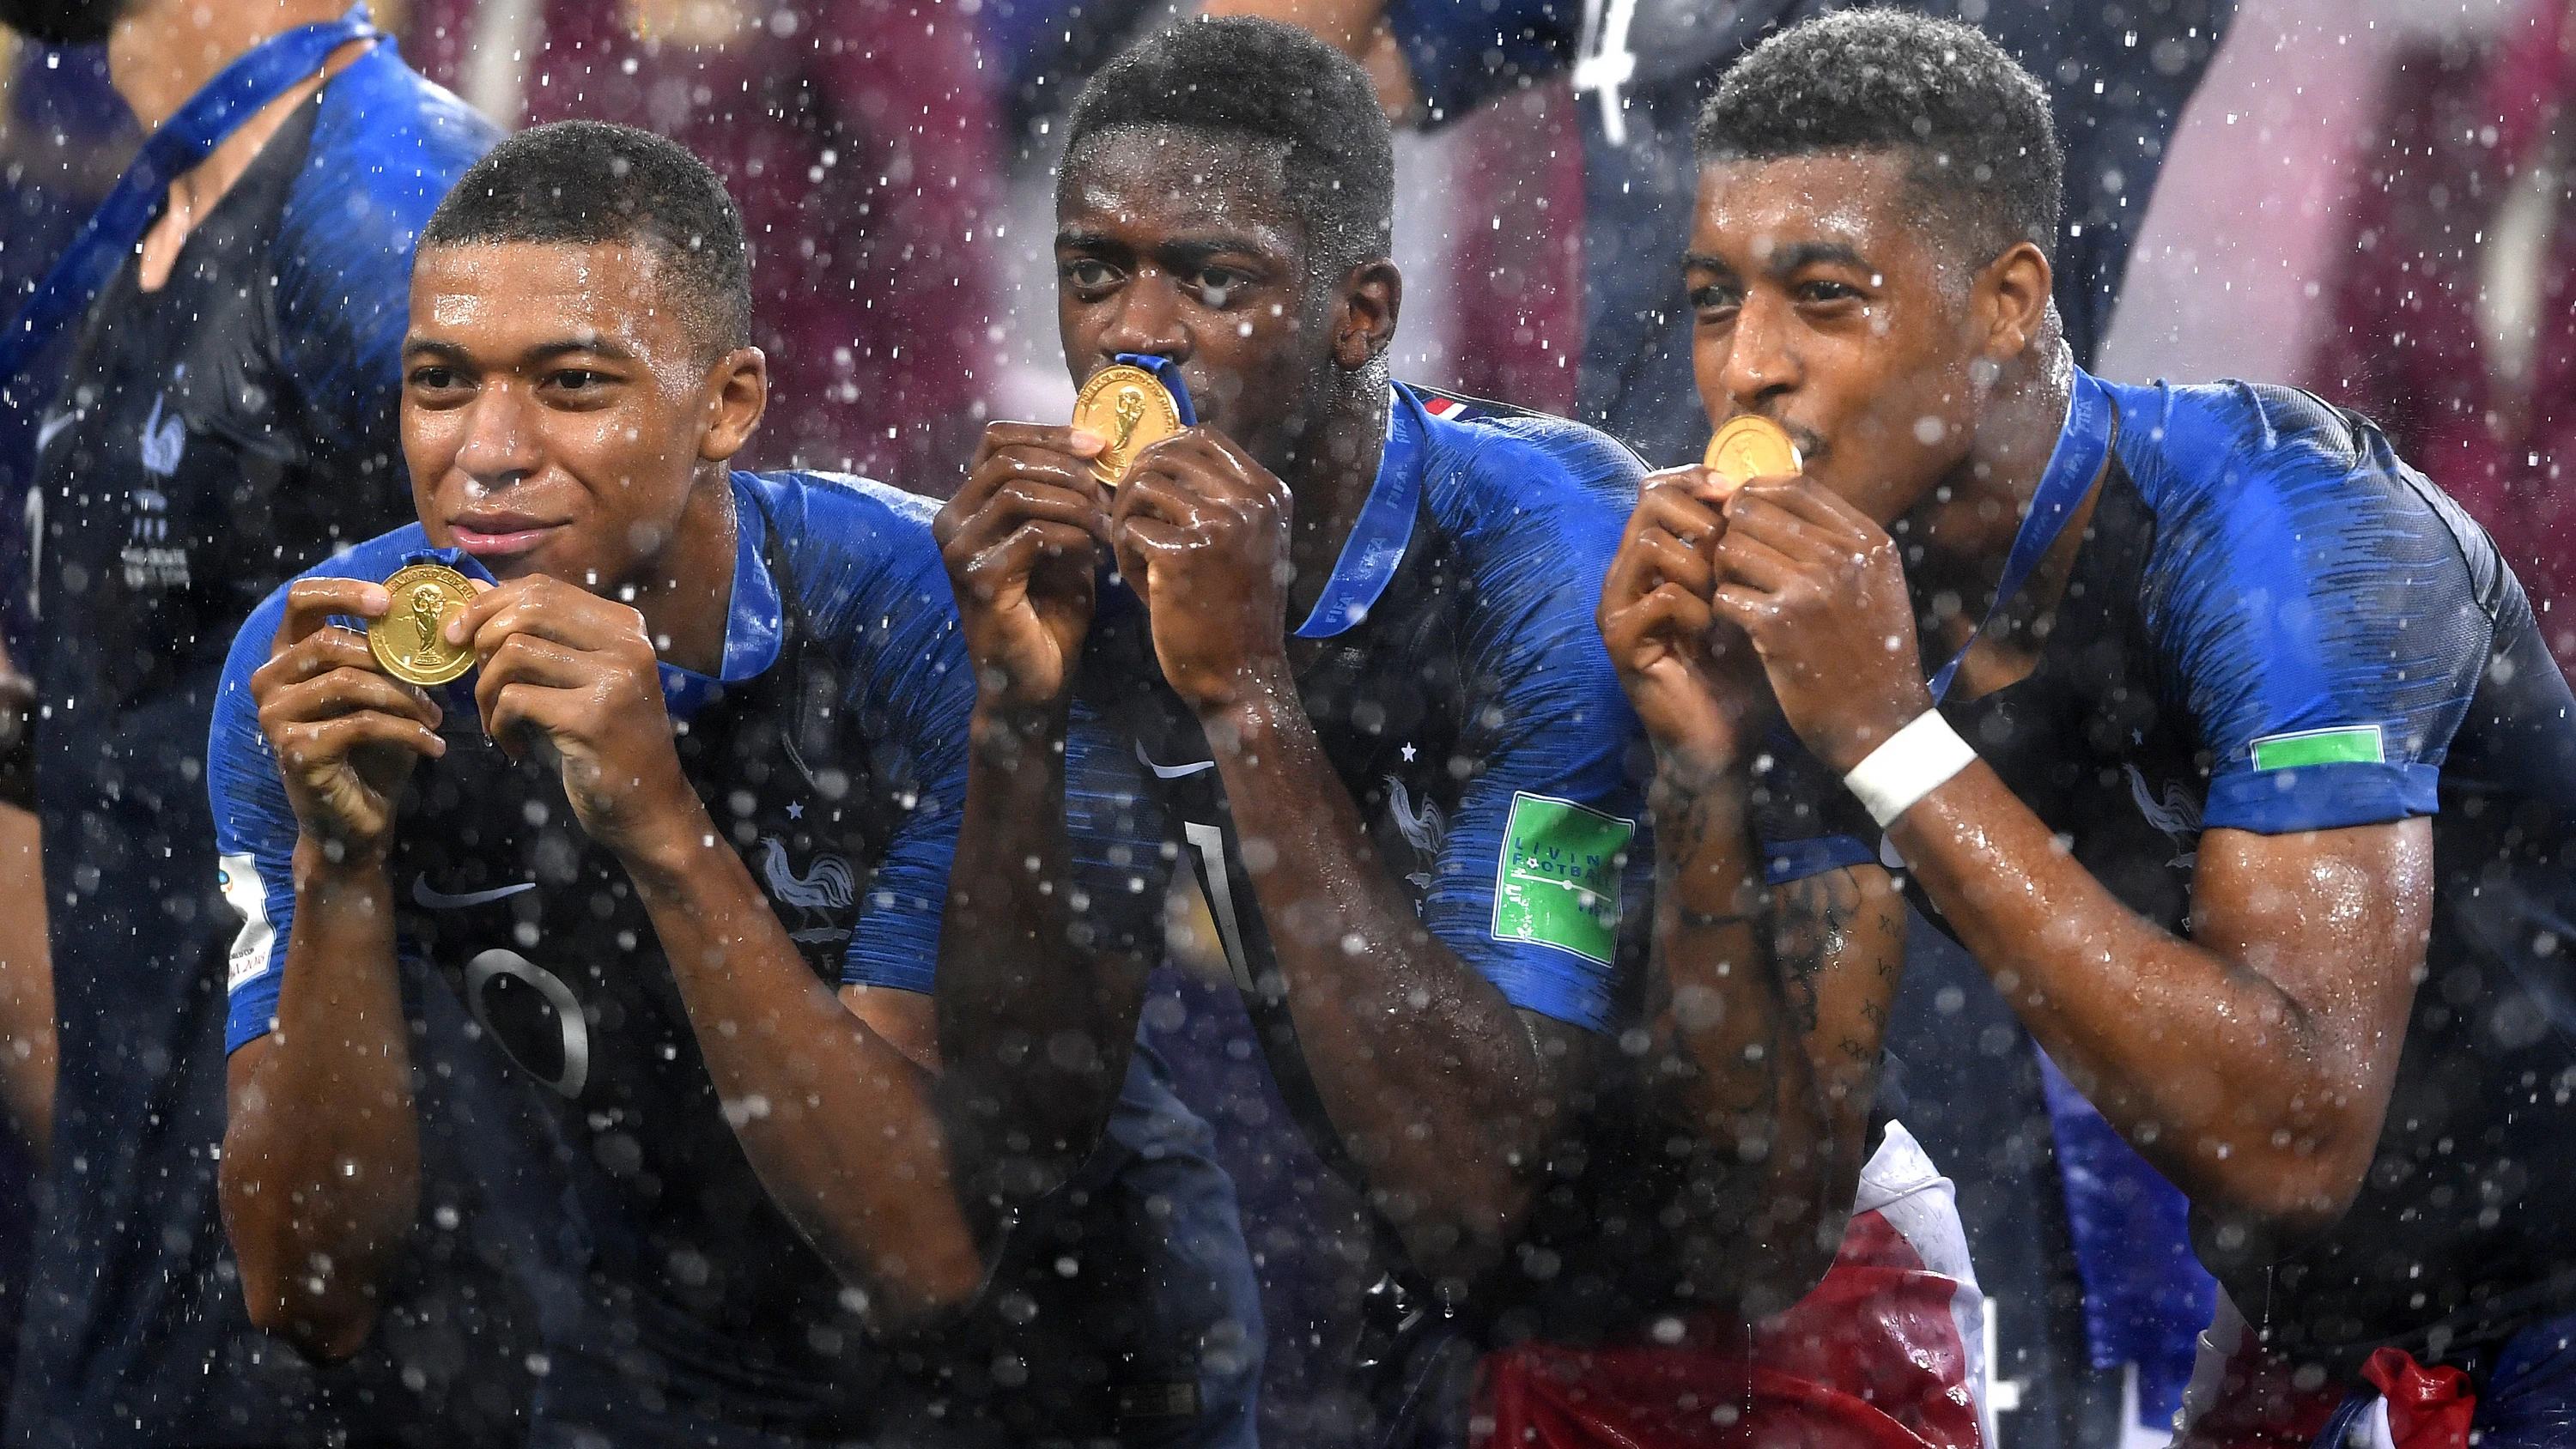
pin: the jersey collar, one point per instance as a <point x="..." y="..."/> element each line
<point x="1377" y="541"/>
<point x="755" y="624"/>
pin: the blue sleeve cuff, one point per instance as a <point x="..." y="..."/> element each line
<point x="2321" y="797"/>
<point x="1784" y="861"/>
<point x="1558" y="985"/>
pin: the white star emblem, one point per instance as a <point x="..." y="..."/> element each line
<point x="796" y="811"/>
<point x="1407" y="752"/>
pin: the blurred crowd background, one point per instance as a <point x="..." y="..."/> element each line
<point x="2370" y="198"/>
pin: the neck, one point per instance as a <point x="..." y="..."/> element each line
<point x="164" y="51"/>
<point x="1329" y="477"/>
<point x="686" y="593"/>
<point x="1965" y="526"/>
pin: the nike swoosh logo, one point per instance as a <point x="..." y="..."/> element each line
<point x="441" y="901"/>
<point x="53" y="424"/>
<point x="1172" y="772"/>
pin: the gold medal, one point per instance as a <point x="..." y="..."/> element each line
<point x="1129" y="407"/>
<point x="408" y="641"/>
<point x="1750" y="447"/>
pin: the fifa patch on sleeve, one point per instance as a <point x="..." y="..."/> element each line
<point x="2344" y="745"/>
<point x="238" y="876"/>
<point x="1557" y="883"/>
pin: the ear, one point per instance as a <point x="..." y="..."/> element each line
<point x="1364" y="323"/>
<point x="2011" y="300"/>
<point x="737" y="393"/>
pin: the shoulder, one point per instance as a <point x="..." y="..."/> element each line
<point x="837" y="527"/>
<point x="387" y="145"/>
<point x="1517" y="484"/>
<point x="2266" y="485"/>
<point x="861" y="553"/>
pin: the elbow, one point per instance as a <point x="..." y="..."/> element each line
<point x="2287" y="1196"/>
<point x="326" y="1323"/>
<point x="326" y="1313"/>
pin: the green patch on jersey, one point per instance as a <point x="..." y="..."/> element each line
<point x="1558" y="880"/>
<point x="2350" y="744"/>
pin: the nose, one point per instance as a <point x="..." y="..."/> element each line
<point x="500" y="443"/>
<point x="1145" y="318"/>
<point x="1759" y="362"/>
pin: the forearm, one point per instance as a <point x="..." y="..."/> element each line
<point x="321" y="1164"/>
<point x="838" y="1124"/>
<point x="1035" y="1026"/>
<point x="1442" y="1095"/>
<point x="27" y="1053"/>
<point x="1730" y="1067"/>
<point x="2209" y="1068"/>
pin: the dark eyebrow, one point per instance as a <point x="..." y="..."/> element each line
<point x="1702" y="261"/>
<point x="430" y="347"/>
<point x="1784" y="260"/>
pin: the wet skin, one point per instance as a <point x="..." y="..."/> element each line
<point x="2251" y="1063"/>
<point x="564" y="422"/>
<point x="1180" y="243"/>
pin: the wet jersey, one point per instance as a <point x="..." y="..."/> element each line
<point x="210" y="438"/>
<point x="1463" y="698"/>
<point x="2274" y="625"/>
<point x="832" y="752"/>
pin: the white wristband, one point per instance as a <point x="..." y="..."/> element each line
<point x="1914" y="762"/>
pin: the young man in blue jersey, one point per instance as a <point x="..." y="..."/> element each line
<point x="2223" y="740"/>
<point x="1350" y="631"/>
<point x="222" y="413"/>
<point x="681" y="844"/>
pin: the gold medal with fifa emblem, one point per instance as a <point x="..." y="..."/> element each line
<point x="1130" y="408"/>
<point x="1750" y="447"/>
<point x="409" y="641"/>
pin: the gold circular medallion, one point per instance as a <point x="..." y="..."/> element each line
<point x="407" y="641"/>
<point x="1750" y="447"/>
<point x="1128" y="406"/>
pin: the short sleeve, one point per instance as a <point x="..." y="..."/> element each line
<point x="2312" y="603"/>
<point x="1460" y="55"/>
<point x="1544" y="877"/>
<point x="912" y="694"/>
<point x="255" y="835"/>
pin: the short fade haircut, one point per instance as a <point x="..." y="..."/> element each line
<point x="1975" y="125"/>
<point x="1268" y="83"/>
<point x="589" y="183"/>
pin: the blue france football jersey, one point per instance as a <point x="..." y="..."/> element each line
<point x="2275" y="625"/>
<point x="210" y="438"/>
<point x="831" y="751"/>
<point x="1461" y="694"/>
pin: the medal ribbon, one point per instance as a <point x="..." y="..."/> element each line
<point x="110" y="235"/>
<point x="1170" y="373"/>
<point x="1376" y="545"/>
<point x="2082" y="447"/>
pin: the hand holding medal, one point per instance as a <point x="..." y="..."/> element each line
<point x="410" y="639"/>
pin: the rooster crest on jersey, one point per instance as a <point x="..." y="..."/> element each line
<point x="1424" y="830"/>
<point x="827" y="885"/>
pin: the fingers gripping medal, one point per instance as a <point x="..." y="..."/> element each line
<point x="1132" y="409"/>
<point x="408" y="640"/>
<point x="1750" y="447"/>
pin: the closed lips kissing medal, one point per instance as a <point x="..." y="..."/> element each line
<point x="1130" y="409"/>
<point x="409" y="641"/>
<point x="1750" y="447"/>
